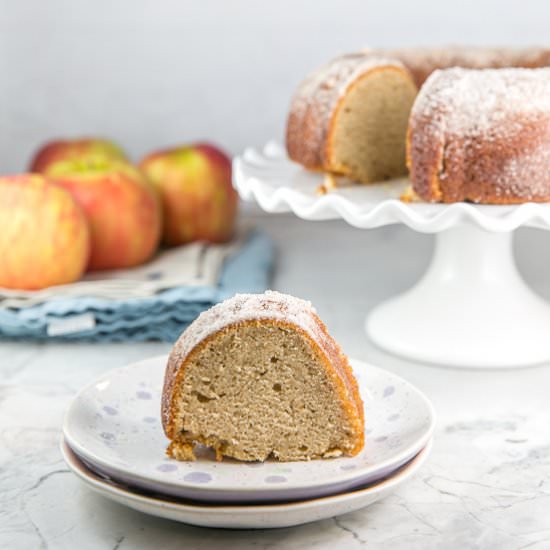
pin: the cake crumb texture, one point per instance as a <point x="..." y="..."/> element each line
<point x="258" y="377"/>
<point x="350" y="118"/>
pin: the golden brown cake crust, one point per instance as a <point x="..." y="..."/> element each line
<point x="274" y="311"/>
<point x="482" y="136"/>
<point x="316" y="102"/>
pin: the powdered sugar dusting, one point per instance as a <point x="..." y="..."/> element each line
<point x="324" y="87"/>
<point x="484" y="102"/>
<point x="493" y="126"/>
<point x="526" y="174"/>
<point x="318" y="95"/>
<point x="245" y="307"/>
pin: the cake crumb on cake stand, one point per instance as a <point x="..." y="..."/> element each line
<point x="470" y="309"/>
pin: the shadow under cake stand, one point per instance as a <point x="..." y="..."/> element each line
<point x="470" y="309"/>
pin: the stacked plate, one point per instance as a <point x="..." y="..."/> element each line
<point x="113" y="441"/>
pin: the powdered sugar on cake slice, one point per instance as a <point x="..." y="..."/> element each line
<point x="271" y="308"/>
<point x="247" y="307"/>
<point x="325" y="86"/>
<point x="317" y="97"/>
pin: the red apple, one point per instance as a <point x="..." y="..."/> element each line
<point x="44" y="234"/>
<point x="121" y="205"/>
<point x="81" y="148"/>
<point x="198" y="199"/>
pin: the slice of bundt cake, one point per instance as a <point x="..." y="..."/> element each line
<point x="258" y="376"/>
<point x="350" y="118"/>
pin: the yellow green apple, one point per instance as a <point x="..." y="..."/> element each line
<point x="122" y="208"/>
<point x="198" y="199"/>
<point x="68" y="149"/>
<point x="44" y="234"/>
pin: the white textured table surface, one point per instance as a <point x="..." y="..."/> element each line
<point x="486" y="485"/>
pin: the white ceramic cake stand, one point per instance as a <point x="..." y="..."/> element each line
<point x="470" y="309"/>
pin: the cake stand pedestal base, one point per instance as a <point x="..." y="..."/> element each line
<point x="470" y="309"/>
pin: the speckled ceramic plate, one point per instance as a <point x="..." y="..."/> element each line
<point x="255" y="516"/>
<point x="114" y="425"/>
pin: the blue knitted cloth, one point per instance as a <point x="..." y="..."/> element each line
<point x="160" y="317"/>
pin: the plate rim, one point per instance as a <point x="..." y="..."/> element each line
<point x="344" y="477"/>
<point x="391" y="481"/>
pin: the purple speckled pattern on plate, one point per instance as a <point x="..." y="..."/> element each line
<point x="167" y="468"/>
<point x="197" y="477"/>
<point x="247" y="516"/>
<point x="144" y="394"/>
<point x="115" y="426"/>
<point x="276" y="479"/>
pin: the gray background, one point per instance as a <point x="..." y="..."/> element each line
<point x="153" y="73"/>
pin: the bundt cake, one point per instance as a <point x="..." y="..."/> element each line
<point x="258" y="376"/>
<point x="422" y="62"/>
<point x="481" y="136"/>
<point x="350" y="118"/>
